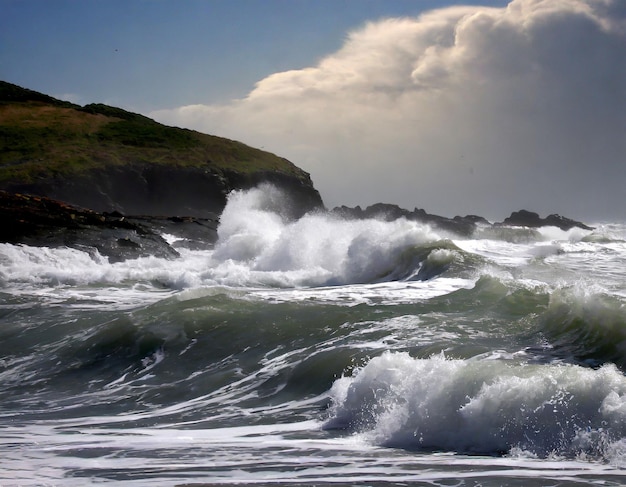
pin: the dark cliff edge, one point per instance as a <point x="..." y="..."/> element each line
<point x="41" y="221"/>
<point x="158" y="190"/>
<point x="108" y="159"/>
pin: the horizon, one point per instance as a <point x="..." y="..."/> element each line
<point x="483" y="109"/>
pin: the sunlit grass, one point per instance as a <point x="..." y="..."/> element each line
<point x="41" y="137"/>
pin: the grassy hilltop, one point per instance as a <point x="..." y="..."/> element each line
<point x="108" y="159"/>
<point x="42" y="137"/>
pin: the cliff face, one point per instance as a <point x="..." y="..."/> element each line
<point x="157" y="189"/>
<point x="108" y="159"/>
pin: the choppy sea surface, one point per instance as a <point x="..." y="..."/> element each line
<point x="319" y="352"/>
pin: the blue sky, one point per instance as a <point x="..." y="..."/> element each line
<point x="481" y="108"/>
<point x="151" y="54"/>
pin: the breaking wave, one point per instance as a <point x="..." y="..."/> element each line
<point x="485" y="407"/>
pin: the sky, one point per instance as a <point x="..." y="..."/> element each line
<point x="482" y="107"/>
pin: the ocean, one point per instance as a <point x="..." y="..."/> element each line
<point x="320" y="351"/>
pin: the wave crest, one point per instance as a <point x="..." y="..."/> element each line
<point x="322" y="249"/>
<point x="484" y="406"/>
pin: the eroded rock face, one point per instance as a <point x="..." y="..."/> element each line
<point x="157" y="190"/>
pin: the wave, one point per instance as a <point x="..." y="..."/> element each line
<point x="207" y="346"/>
<point x="191" y="353"/>
<point x="318" y="249"/>
<point x="485" y="407"/>
<point x="585" y="325"/>
<point x="258" y="246"/>
<point x="263" y="248"/>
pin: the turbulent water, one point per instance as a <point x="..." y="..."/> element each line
<point x="321" y="351"/>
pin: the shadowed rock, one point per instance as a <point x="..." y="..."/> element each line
<point x="524" y="218"/>
<point x="461" y="225"/>
<point x="40" y="221"/>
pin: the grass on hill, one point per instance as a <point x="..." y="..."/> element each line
<point x="41" y="137"/>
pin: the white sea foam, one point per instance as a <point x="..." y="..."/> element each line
<point x="574" y="234"/>
<point x="485" y="406"/>
<point x="256" y="247"/>
<point x="74" y="453"/>
<point x="259" y="247"/>
<point x="315" y="250"/>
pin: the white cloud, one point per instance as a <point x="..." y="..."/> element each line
<point x="461" y="110"/>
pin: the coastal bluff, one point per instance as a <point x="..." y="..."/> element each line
<point x="99" y="178"/>
<point x="110" y="160"/>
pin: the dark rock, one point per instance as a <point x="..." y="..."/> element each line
<point x="385" y="211"/>
<point x="40" y="221"/>
<point x="525" y="218"/>
<point x="473" y="219"/>
<point x="460" y="225"/>
<point x="347" y="212"/>
<point x="150" y="189"/>
<point x="190" y="232"/>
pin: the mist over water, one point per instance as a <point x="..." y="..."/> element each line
<point x="319" y="350"/>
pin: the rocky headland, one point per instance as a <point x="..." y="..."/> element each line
<point x="101" y="178"/>
<point x="108" y="159"/>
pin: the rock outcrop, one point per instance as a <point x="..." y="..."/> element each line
<point x="460" y="225"/>
<point x="525" y="218"/>
<point x="41" y="221"/>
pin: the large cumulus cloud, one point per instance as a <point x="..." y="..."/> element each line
<point x="460" y="110"/>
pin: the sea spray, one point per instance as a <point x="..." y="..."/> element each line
<point x="483" y="406"/>
<point x="318" y="249"/>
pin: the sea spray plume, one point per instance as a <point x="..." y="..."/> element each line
<point x="322" y="249"/>
<point x="484" y="406"/>
<point x="250" y="222"/>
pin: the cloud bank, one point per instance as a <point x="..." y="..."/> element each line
<point x="460" y="110"/>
